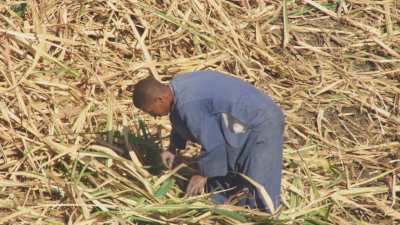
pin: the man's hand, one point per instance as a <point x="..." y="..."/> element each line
<point x="167" y="159"/>
<point x="196" y="185"/>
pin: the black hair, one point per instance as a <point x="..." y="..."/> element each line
<point x="145" y="91"/>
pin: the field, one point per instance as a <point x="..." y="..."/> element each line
<point x="67" y="67"/>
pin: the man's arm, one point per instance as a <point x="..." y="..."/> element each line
<point x="176" y="141"/>
<point x="205" y="127"/>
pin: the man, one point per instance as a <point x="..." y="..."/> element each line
<point x="239" y="128"/>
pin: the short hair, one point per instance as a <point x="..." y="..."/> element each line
<point x="145" y="91"/>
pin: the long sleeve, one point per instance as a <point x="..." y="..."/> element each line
<point x="205" y="127"/>
<point x="176" y="141"/>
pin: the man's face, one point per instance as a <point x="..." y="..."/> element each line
<point x="157" y="108"/>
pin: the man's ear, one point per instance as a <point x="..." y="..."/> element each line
<point x="130" y="88"/>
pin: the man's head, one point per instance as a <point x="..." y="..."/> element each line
<point x="152" y="97"/>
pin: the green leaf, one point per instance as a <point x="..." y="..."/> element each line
<point x="230" y="214"/>
<point x="101" y="192"/>
<point x="315" y="222"/>
<point x="164" y="188"/>
<point x="140" y="220"/>
<point x="20" y="9"/>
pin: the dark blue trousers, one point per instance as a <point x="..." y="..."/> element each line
<point x="260" y="159"/>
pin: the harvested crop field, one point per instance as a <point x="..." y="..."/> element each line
<point x="66" y="68"/>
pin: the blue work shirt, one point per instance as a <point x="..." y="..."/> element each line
<point x="199" y="101"/>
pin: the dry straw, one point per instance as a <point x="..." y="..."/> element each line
<point x="333" y="66"/>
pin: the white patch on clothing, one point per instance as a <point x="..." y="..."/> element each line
<point x="233" y="124"/>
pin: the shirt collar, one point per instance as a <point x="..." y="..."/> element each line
<point x="173" y="97"/>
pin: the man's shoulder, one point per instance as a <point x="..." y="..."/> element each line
<point x="206" y="82"/>
<point x="192" y="88"/>
<point x="193" y="105"/>
<point x="200" y="75"/>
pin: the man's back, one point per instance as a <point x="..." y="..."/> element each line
<point x="221" y="93"/>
